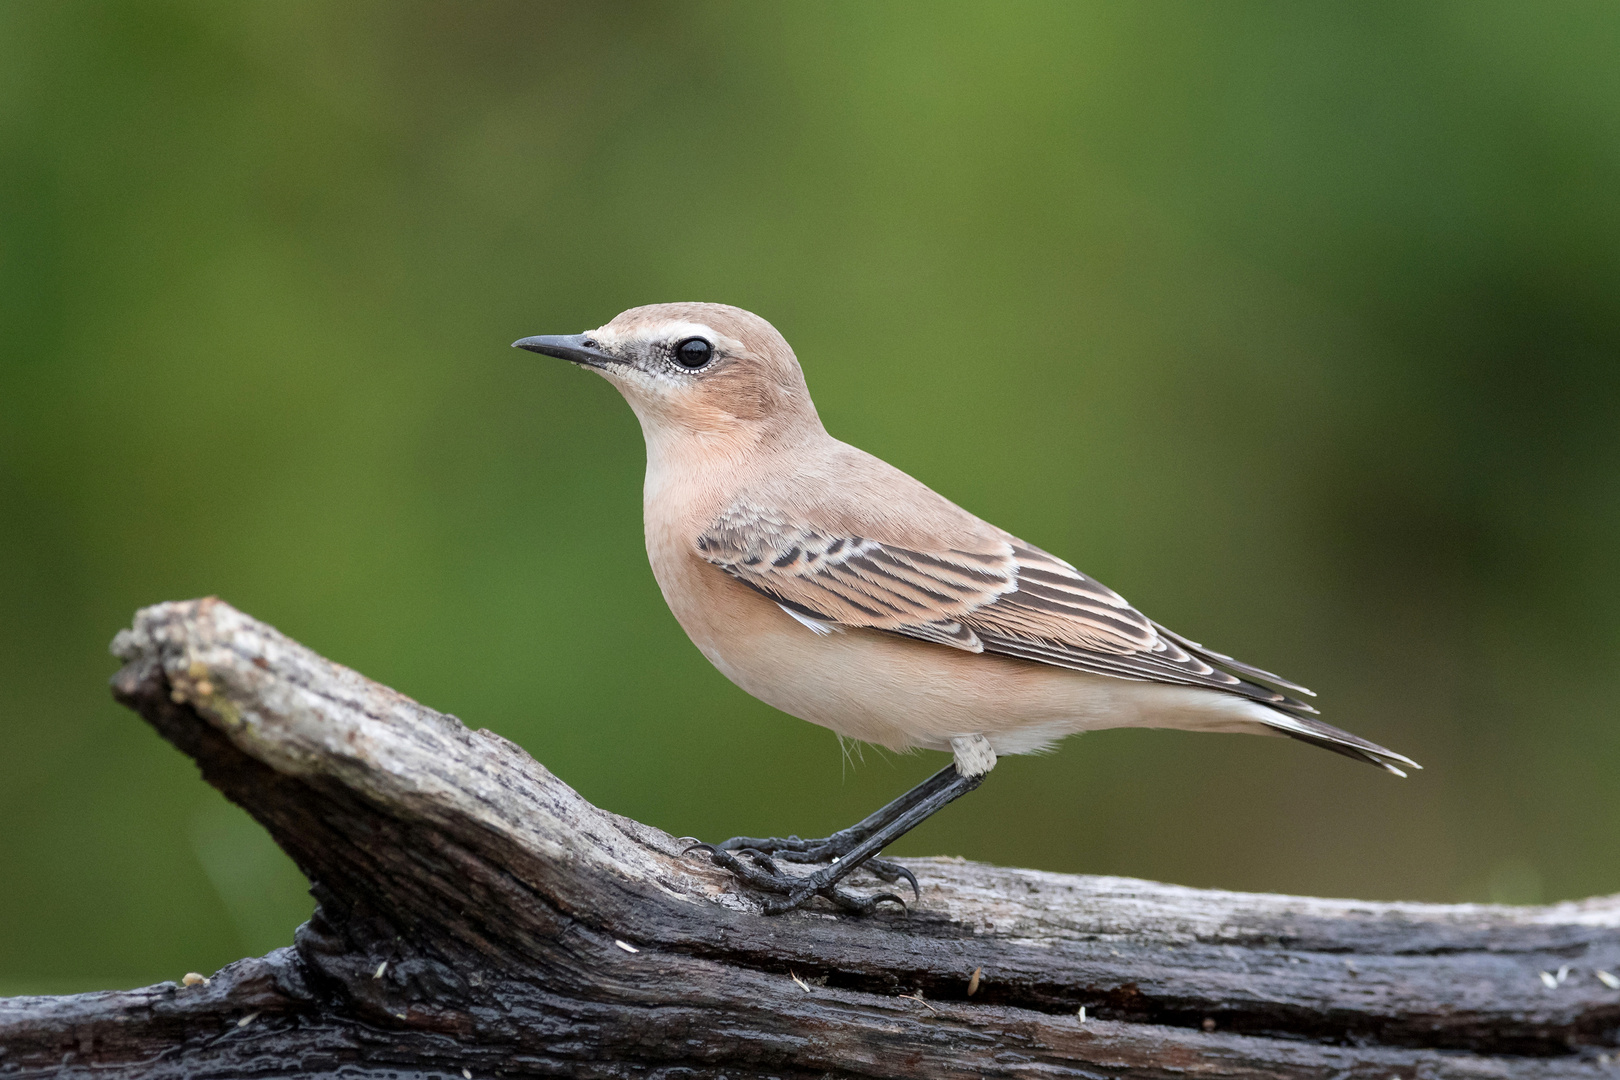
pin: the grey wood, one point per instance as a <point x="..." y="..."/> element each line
<point x="519" y="930"/>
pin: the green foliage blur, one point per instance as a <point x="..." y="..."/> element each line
<point x="1299" y="324"/>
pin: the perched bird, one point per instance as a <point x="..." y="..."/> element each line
<point x="835" y="587"/>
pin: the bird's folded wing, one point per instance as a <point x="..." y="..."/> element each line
<point x="986" y="591"/>
<point x="990" y="594"/>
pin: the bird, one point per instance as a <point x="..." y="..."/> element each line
<point x="839" y="589"/>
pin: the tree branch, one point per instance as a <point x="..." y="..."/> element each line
<point x="475" y="913"/>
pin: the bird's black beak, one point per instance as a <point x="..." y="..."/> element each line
<point x="580" y="348"/>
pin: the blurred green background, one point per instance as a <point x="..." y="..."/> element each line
<point x="1299" y="324"/>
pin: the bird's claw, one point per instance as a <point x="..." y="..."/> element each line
<point x="892" y="872"/>
<point x="856" y="905"/>
<point x="761" y="872"/>
<point x="795" y="850"/>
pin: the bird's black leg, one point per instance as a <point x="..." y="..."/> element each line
<point x="753" y="859"/>
<point x="845" y="839"/>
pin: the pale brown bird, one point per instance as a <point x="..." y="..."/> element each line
<point x="840" y="590"/>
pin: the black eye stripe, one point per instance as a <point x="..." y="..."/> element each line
<point x="693" y="353"/>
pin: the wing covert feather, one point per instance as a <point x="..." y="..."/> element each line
<point x="857" y="581"/>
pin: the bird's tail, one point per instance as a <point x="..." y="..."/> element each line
<point x="1311" y="730"/>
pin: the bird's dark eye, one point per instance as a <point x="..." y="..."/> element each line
<point x="694" y="352"/>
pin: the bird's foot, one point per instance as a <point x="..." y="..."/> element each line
<point x="755" y="861"/>
<point x="825" y="851"/>
<point x="756" y="868"/>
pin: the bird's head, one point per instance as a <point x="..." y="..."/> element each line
<point x="693" y="369"/>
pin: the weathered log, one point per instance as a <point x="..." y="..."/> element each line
<point x="475" y="914"/>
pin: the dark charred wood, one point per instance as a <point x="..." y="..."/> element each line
<point x="474" y="913"/>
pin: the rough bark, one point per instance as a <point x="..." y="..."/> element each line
<point x="475" y="914"/>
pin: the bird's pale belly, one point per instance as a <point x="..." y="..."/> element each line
<point x="900" y="693"/>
